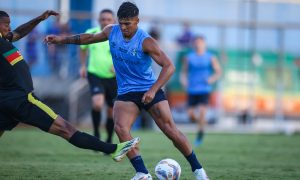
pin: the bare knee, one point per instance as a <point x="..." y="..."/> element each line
<point x="122" y="131"/>
<point x="97" y="102"/>
<point x="62" y="128"/>
<point x="97" y="106"/>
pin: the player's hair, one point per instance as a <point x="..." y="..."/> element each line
<point x="199" y="37"/>
<point x="3" y="14"/>
<point x="107" y="11"/>
<point x="127" y="10"/>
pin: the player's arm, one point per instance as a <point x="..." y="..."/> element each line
<point x="183" y="74"/>
<point x="24" y="29"/>
<point x="85" y="38"/>
<point x="83" y="57"/>
<point x="217" y="71"/>
<point x="151" y="47"/>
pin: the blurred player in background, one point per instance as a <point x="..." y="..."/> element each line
<point x="101" y="75"/>
<point x="19" y="104"/>
<point x="199" y="71"/>
<point x="132" y="50"/>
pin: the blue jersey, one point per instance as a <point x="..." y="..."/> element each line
<point x="199" y="71"/>
<point x="132" y="65"/>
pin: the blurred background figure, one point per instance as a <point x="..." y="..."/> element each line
<point x="155" y="32"/>
<point x="58" y="56"/>
<point x="52" y="52"/>
<point x="31" y="47"/>
<point x="186" y="38"/>
<point x="101" y="76"/>
<point x="200" y="70"/>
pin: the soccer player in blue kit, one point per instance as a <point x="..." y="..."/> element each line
<point x="132" y="50"/>
<point x="201" y="64"/>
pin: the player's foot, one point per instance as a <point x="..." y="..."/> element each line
<point x="142" y="176"/>
<point x="200" y="174"/>
<point x="123" y="148"/>
<point x="198" y="142"/>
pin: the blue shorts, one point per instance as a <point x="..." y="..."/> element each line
<point x="198" y="99"/>
<point x="136" y="98"/>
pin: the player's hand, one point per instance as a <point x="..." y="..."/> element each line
<point x="112" y="69"/>
<point x="148" y="96"/>
<point x="48" y="13"/>
<point x="183" y="82"/>
<point x="82" y="72"/>
<point x="53" y="39"/>
<point x="210" y="80"/>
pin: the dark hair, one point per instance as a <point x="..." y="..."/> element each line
<point x="127" y="10"/>
<point x="107" y="11"/>
<point x="3" y="14"/>
<point x="199" y="37"/>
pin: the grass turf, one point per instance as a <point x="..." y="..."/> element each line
<point x="32" y="154"/>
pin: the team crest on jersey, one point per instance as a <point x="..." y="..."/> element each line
<point x="134" y="52"/>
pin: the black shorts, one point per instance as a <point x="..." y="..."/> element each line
<point x="26" y="109"/>
<point x="136" y="97"/>
<point x="198" y="99"/>
<point x="106" y="86"/>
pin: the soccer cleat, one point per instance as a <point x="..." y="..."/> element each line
<point x="200" y="174"/>
<point x="123" y="148"/>
<point x="142" y="176"/>
<point x="198" y="142"/>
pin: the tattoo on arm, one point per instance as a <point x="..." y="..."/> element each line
<point x="73" y="39"/>
<point x="24" y="29"/>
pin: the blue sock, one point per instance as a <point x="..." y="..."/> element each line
<point x="138" y="164"/>
<point x="195" y="164"/>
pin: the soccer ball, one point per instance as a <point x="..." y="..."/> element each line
<point x="167" y="169"/>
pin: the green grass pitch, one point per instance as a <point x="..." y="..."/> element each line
<point x="32" y="154"/>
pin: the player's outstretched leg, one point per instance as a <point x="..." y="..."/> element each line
<point x="83" y="140"/>
<point x="162" y="116"/>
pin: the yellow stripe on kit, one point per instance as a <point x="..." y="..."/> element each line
<point x="42" y="106"/>
<point x="16" y="60"/>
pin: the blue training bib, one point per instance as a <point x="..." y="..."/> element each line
<point x="199" y="71"/>
<point x="132" y="65"/>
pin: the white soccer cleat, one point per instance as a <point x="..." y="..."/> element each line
<point x="142" y="176"/>
<point x="200" y="174"/>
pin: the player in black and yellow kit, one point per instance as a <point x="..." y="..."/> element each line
<point x="19" y="104"/>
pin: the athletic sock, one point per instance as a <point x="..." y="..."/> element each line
<point x="200" y="135"/>
<point x="86" y="141"/>
<point x="192" y="159"/>
<point x="96" y="117"/>
<point x="110" y="129"/>
<point x="138" y="164"/>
